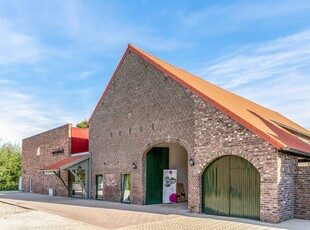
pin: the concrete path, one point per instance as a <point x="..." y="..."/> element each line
<point x="112" y="215"/>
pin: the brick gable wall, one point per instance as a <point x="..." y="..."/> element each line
<point x="143" y="107"/>
<point x="32" y="163"/>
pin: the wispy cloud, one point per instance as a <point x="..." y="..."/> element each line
<point x="274" y="73"/>
<point x="83" y="27"/>
<point x="279" y="58"/>
<point x="234" y="15"/>
<point x="23" y="115"/>
<point x="17" y="47"/>
<point x="56" y="61"/>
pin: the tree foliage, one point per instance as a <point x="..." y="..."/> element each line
<point x="82" y="124"/>
<point x="10" y="165"/>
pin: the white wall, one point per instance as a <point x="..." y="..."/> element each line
<point x="178" y="161"/>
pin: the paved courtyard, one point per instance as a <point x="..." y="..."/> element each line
<point x="36" y="211"/>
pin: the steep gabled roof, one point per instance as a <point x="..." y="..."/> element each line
<point x="262" y="121"/>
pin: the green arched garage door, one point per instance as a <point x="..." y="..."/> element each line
<point x="231" y="187"/>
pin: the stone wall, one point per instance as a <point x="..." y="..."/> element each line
<point x="143" y="107"/>
<point x="302" y="193"/>
<point x="37" y="154"/>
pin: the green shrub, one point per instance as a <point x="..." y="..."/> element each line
<point x="10" y="166"/>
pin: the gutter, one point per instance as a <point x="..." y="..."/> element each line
<point x="89" y="176"/>
<point x="295" y="152"/>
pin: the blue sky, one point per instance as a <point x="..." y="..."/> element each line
<point x="56" y="57"/>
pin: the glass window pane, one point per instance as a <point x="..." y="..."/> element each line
<point x="99" y="187"/>
<point x="126" y="188"/>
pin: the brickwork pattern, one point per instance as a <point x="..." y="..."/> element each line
<point x="286" y="182"/>
<point x="302" y="193"/>
<point x="132" y="119"/>
<point x="218" y="135"/>
<point x="143" y="107"/>
<point x="33" y="160"/>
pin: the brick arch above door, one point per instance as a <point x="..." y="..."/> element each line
<point x="174" y="140"/>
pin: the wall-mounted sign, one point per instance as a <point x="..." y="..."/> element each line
<point x="58" y="151"/>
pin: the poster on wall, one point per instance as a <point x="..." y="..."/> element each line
<point x="170" y="186"/>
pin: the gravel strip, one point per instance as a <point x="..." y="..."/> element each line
<point x="8" y="209"/>
<point x="18" y="218"/>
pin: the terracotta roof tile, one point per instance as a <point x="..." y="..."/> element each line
<point x="56" y="166"/>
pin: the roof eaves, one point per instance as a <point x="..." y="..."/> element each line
<point x="296" y="152"/>
<point x="79" y="160"/>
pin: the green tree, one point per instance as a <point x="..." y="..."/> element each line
<point x="82" y="124"/>
<point x="10" y="165"/>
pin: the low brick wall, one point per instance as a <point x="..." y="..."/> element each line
<point x="302" y="193"/>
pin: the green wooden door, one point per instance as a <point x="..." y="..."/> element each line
<point x="157" y="159"/>
<point x="231" y="186"/>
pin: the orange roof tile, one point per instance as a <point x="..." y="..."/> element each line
<point x="255" y="117"/>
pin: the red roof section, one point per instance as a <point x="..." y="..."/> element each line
<point x="56" y="166"/>
<point x="257" y="118"/>
<point x="79" y="140"/>
<point x="285" y="137"/>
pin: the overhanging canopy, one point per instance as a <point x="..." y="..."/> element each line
<point x="65" y="163"/>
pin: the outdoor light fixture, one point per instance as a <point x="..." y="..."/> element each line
<point x="134" y="166"/>
<point x="191" y="162"/>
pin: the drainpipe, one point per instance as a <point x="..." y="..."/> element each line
<point x="89" y="176"/>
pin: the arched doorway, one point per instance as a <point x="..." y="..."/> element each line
<point x="231" y="187"/>
<point x="158" y="158"/>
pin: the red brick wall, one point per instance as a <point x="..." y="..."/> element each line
<point x="302" y="193"/>
<point x="33" y="159"/>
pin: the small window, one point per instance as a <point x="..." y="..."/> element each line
<point x="38" y="151"/>
<point x="99" y="187"/>
<point x="30" y="185"/>
<point x="49" y="172"/>
<point x="126" y="188"/>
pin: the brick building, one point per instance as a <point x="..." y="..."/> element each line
<point x="52" y="160"/>
<point x="233" y="157"/>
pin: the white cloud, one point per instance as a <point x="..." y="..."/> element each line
<point x="234" y="15"/>
<point x="23" y="116"/>
<point x="279" y="58"/>
<point x="274" y="74"/>
<point x="17" y="47"/>
<point x="90" y="33"/>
